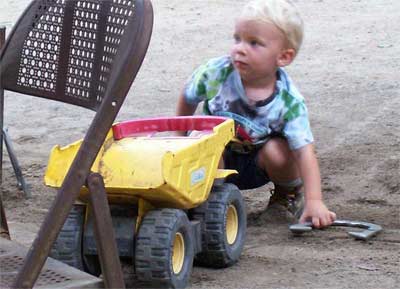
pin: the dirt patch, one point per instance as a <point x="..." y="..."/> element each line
<point x="348" y="72"/>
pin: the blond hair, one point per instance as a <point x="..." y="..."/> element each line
<point x="281" y="13"/>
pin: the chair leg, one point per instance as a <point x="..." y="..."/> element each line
<point x="4" y="232"/>
<point x="2" y="41"/>
<point x="17" y="169"/>
<point x="3" y="134"/>
<point x="104" y="233"/>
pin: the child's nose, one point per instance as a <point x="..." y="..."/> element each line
<point x="240" y="48"/>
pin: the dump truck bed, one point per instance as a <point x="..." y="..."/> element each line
<point x="164" y="170"/>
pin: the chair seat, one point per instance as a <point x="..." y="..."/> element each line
<point x="54" y="274"/>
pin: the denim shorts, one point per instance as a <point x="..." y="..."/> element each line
<point x="244" y="160"/>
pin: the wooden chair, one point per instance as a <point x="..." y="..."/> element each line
<point x="86" y="53"/>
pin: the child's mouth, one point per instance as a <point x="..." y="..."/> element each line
<point x="239" y="64"/>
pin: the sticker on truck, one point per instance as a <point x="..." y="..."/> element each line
<point x="197" y="176"/>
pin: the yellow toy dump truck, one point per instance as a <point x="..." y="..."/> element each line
<point x="169" y="203"/>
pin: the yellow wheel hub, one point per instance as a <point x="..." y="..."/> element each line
<point x="232" y="224"/>
<point x="178" y="253"/>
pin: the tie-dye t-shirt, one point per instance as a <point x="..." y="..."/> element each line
<point x="218" y="84"/>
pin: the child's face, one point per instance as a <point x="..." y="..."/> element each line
<point x="259" y="49"/>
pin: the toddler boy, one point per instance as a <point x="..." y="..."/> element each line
<point x="271" y="118"/>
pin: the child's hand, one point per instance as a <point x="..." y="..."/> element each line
<point x="316" y="212"/>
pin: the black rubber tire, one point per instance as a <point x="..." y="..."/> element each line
<point x="68" y="246"/>
<point x="92" y="265"/>
<point x="154" y="248"/>
<point x="216" y="251"/>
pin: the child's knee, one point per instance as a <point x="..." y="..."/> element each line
<point x="276" y="152"/>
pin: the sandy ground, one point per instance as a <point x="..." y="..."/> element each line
<point x="348" y="70"/>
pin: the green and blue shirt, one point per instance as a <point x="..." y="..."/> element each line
<point x="218" y="84"/>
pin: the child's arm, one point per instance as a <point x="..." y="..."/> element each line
<point x="183" y="108"/>
<point x="315" y="209"/>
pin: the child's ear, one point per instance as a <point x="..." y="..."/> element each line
<point x="286" y="57"/>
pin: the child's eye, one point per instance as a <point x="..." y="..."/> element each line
<point x="254" y="43"/>
<point x="236" y="38"/>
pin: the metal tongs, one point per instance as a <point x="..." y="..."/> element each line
<point x="370" y="229"/>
